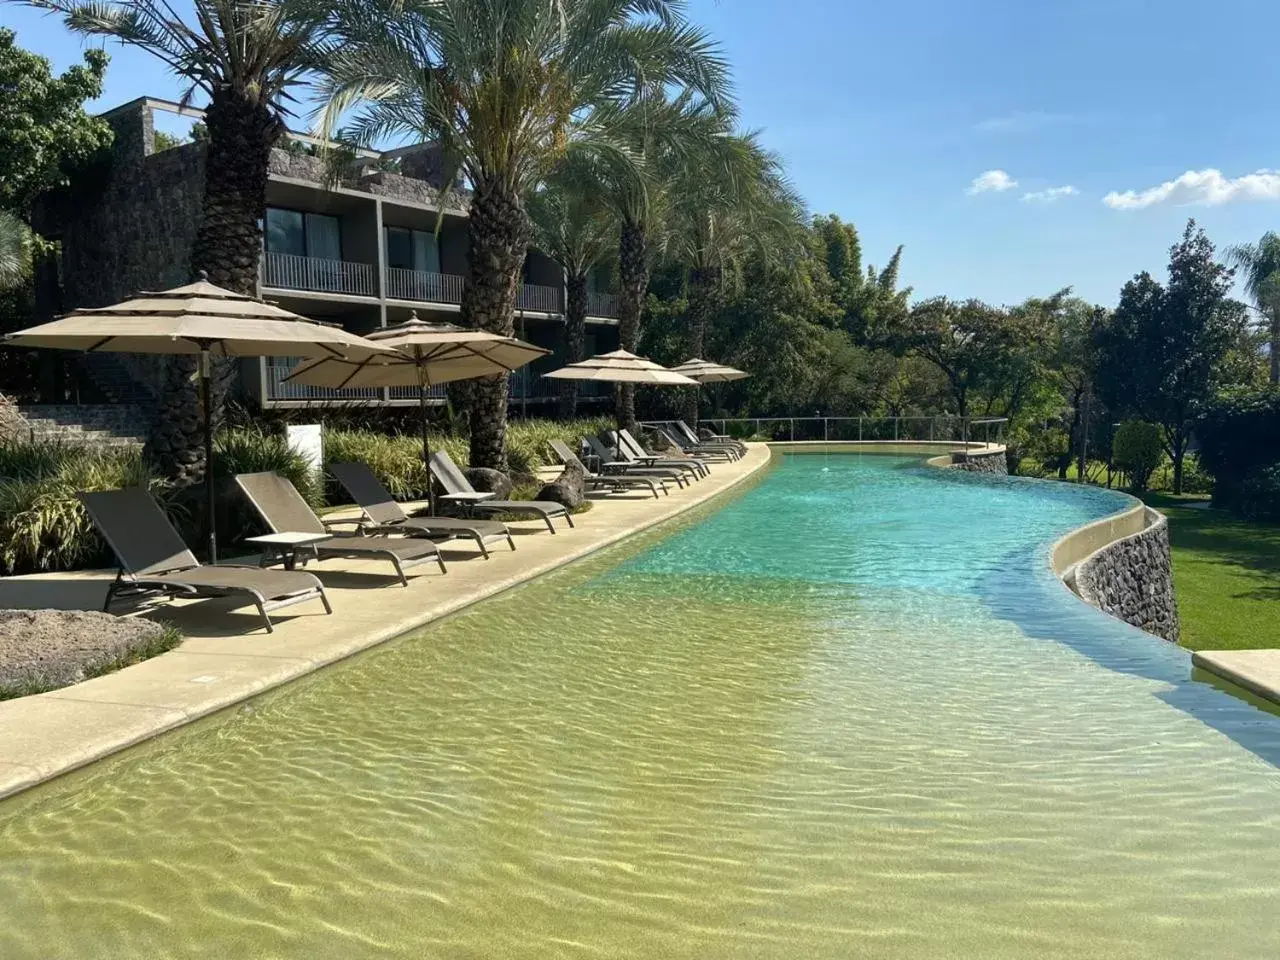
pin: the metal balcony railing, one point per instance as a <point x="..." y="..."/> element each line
<point x="602" y="305"/>
<point x="280" y="389"/>
<point x="543" y="299"/>
<point x="523" y="385"/>
<point x="287" y="271"/>
<point x="423" y="285"/>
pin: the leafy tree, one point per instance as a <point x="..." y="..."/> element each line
<point x="1159" y="359"/>
<point x="15" y="250"/>
<point x="508" y="88"/>
<point x="1137" y="450"/>
<point x="45" y="132"/>
<point x="870" y="301"/>
<point x="571" y="225"/>
<point x="1260" y="263"/>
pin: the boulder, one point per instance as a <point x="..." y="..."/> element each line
<point x="569" y="489"/>
<point x="487" y="480"/>
<point x="659" y="442"/>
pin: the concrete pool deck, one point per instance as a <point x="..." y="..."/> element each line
<point x="220" y="664"/>
<point x="1257" y="671"/>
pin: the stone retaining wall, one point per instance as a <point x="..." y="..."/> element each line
<point x="1132" y="579"/>
<point x="983" y="461"/>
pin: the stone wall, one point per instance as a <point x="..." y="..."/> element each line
<point x="986" y="461"/>
<point x="1132" y="579"/>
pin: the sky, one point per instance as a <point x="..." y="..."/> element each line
<point x="1013" y="147"/>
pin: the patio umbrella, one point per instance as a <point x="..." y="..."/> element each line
<point x="197" y="318"/>
<point x="622" y="367"/>
<point x="425" y="354"/>
<point x="705" y="371"/>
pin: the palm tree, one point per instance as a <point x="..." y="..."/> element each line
<point x="245" y="56"/>
<point x="15" y="250"/>
<point x="726" y="201"/>
<point x="571" y="225"/>
<point x="1261" y="265"/>
<point x="508" y="88"/>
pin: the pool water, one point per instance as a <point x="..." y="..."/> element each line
<point x="848" y="714"/>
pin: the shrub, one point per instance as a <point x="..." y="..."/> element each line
<point x="1258" y="496"/>
<point x="1137" y="451"/>
<point x="42" y="524"/>
<point x="253" y="450"/>
<point x="1238" y="436"/>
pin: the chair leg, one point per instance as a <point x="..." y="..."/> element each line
<point x="262" y="612"/>
<point x="395" y="562"/>
<point x="484" y="551"/>
<point x="546" y="517"/>
<point x="111" y="592"/>
<point x="324" y="598"/>
<point x="567" y="517"/>
<point x="440" y="560"/>
<point x="510" y="542"/>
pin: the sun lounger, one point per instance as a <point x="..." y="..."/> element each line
<point x="154" y="560"/>
<point x="690" y="437"/>
<point x="284" y="511"/>
<point x="610" y="466"/>
<point x="458" y="490"/>
<point x="617" y="481"/>
<point x="691" y="468"/>
<point x="633" y="448"/>
<point x="383" y="515"/>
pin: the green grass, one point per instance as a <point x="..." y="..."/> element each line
<point x="1226" y="573"/>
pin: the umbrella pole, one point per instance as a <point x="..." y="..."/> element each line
<point x="206" y="400"/>
<point x="426" y="440"/>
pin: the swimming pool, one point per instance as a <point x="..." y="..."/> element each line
<point x="850" y="713"/>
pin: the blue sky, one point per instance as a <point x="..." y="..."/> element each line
<point x="887" y="113"/>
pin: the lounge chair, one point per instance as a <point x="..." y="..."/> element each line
<point x="633" y="448"/>
<point x="383" y="515"/>
<point x="284" y="511"/>
<point x="692" y="468"/>
<point x="458" y="490"/>
<point x="617" y="481"/>
<point x="154" y="560"/>
<point x="611" y="467"/>
<point x="690" y="436"/>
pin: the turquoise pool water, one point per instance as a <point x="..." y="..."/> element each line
<point x="849" y="714"/>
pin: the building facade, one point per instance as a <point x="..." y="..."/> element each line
<point x="383" y="243"/>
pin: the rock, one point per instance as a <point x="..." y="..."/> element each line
<point x="44" y="649"/>
<point x="659" y="442"/>
<point x="1132" y="579"/>
<point x="486" y="480"/>
<point x="569" y="488"/>
<point x="980" y="462"/>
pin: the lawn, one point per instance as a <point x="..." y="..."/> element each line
<point x="1227" y="576"/>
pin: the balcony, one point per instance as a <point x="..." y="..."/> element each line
<point x="542" y="299"/>
<point x="287" y="271"/>
<point x="524" y="385"/>
<point x="422" y="285"/>
<point x="603" y="305"/>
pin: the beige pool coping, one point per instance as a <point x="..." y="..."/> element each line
<point x="219" y="664"/>
<point x="1257" y="671"/>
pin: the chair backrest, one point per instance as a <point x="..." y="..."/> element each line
<point x="599" y="449"/>
<point x="618" y="450"/>
<point x="631" y="444"/>
<point x="689" y="435"/>
<point x="367" y="491"/>
<point x="670" y="439"/>
<point x="279" y="503"/>
<point x="136" y="529"/>
<point x="565" y="455"/>
<point x="446" y="471"/>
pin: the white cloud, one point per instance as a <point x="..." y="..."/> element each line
<point x="1050" y="195"/>
<point x="1022" y="120"/>
<point x="995" y="181"/>
<point x="1200" y="187"/>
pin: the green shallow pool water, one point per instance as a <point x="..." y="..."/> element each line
<point x="849" y="714"/>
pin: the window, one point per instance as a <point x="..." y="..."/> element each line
<point x="413" y="249"/>
<point x="304" y="234"/>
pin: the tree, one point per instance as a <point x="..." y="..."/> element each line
<point x="727" y="200"/>
<point x="1072" y="363"/>
<point x="246" y="58"/>
<point x="1160" y="356"/>
<point x="1136" y="449"/>
<point x="15" y="250"/>
<point x="47" y="135"/>
<point x="508" y="88"/>
<point x="870" y="301"/>
<point x="571" y="225"/>
<point x="1260" y="263"/>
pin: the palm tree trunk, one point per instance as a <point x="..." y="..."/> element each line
<point x="575" y="338"/>
<point x="227" y="249"/>
<point x="499" y="233"/>
<point x="703" y="284"/>
<point x="633" y="270"/>
<point x="1275" y="345"/>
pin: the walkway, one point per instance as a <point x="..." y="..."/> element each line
<point x="219" y="664"/>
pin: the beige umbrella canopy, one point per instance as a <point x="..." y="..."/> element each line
<point x="197" y="318"/>
<point x="425" y="354"/>
<point x="621" y="367"/>
<point x="704" y="371"/>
